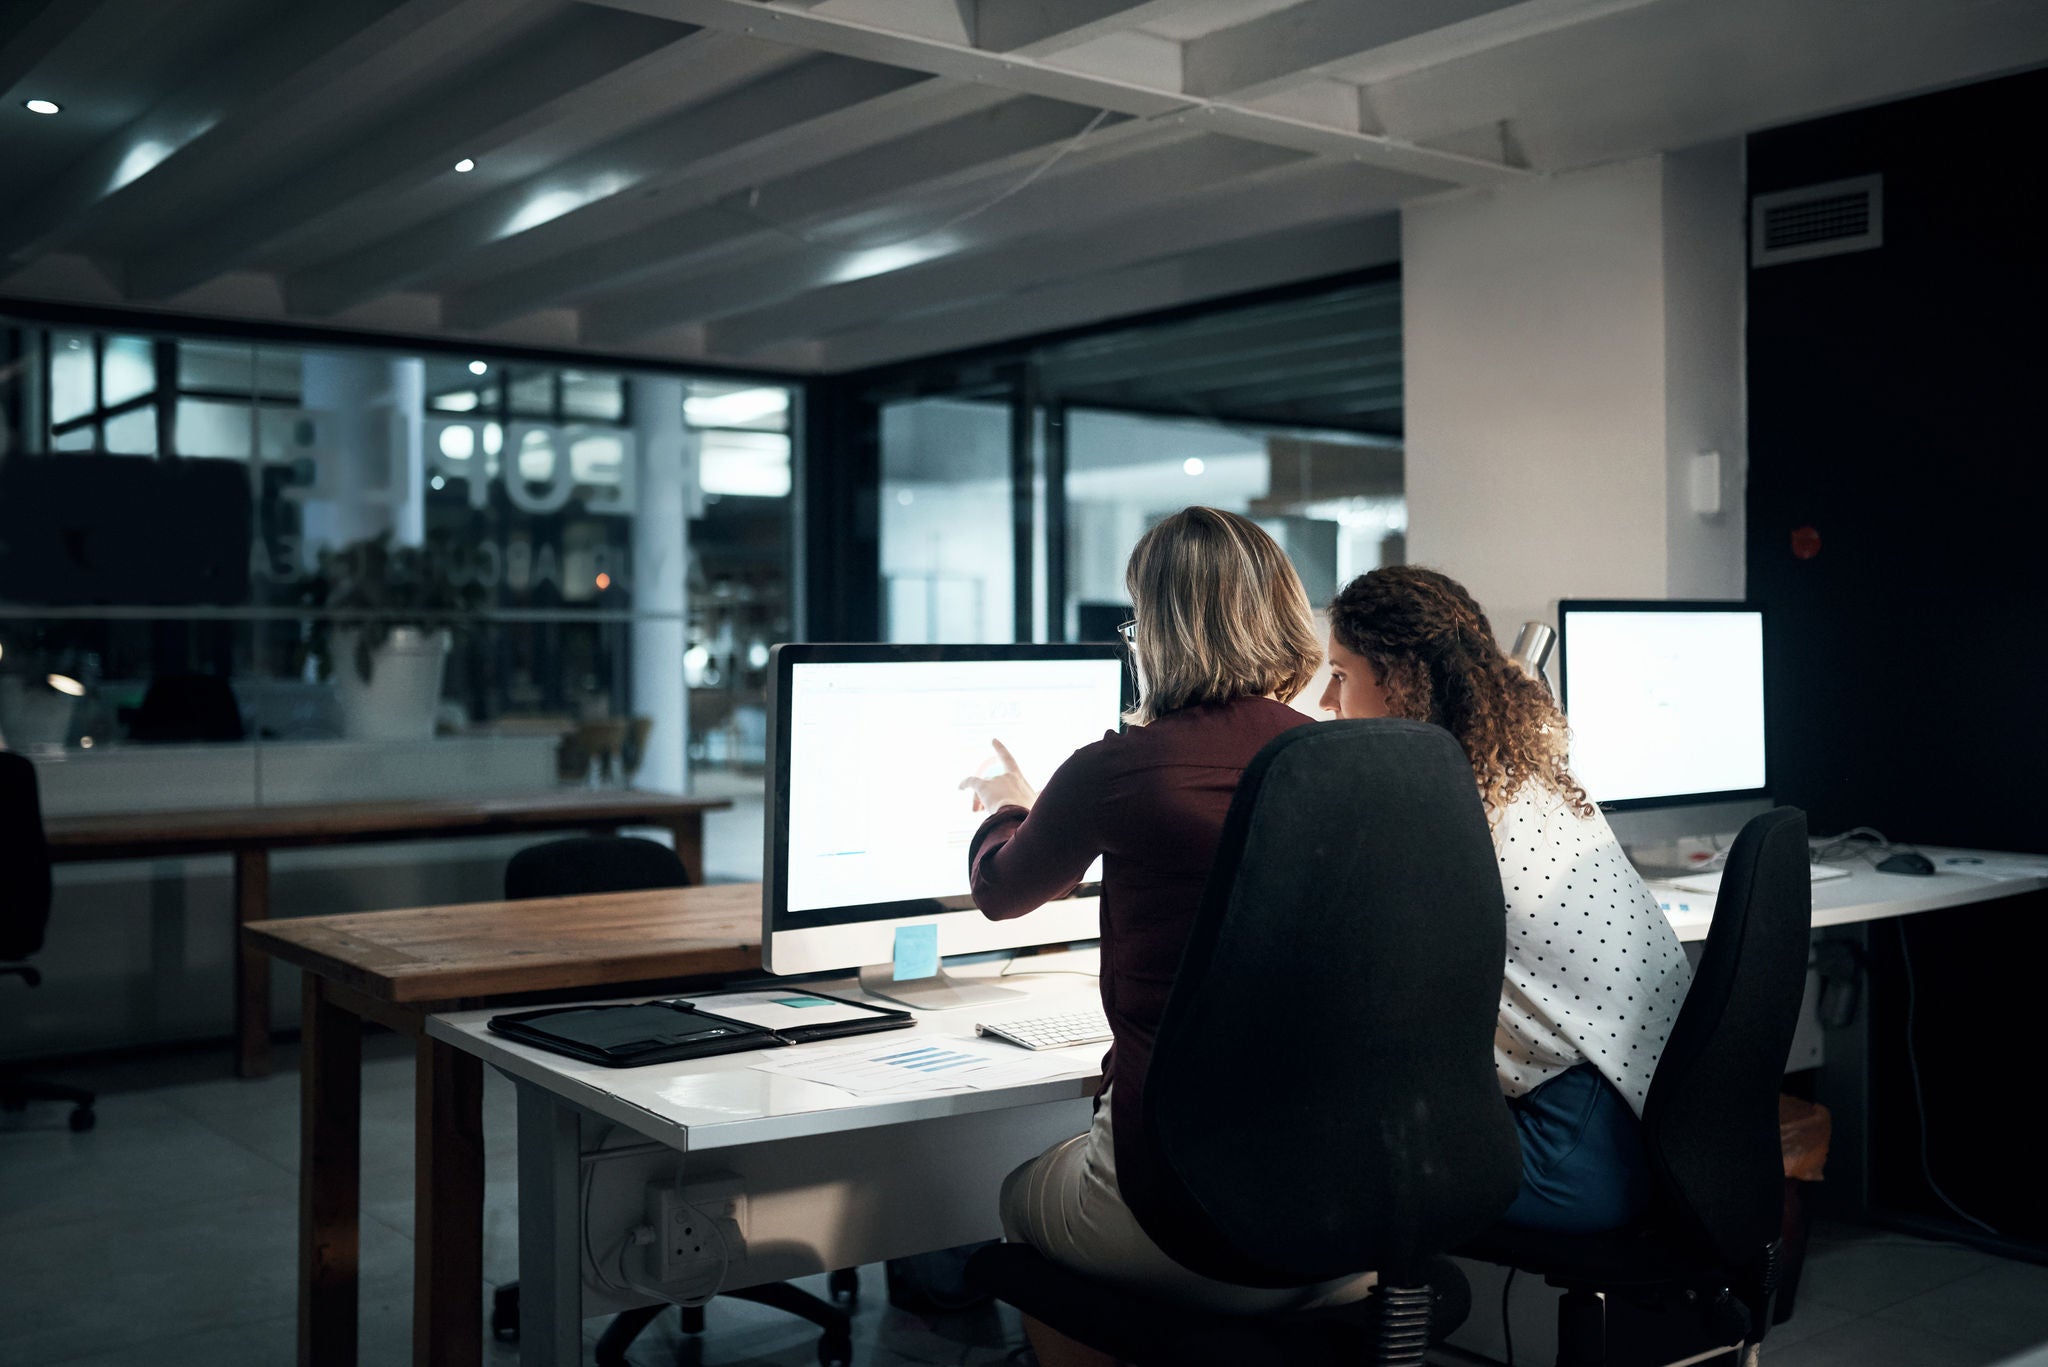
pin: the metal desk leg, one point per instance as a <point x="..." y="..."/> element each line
<point x="550" y="1228"/>
<point x="330" y="1168"/>
<point x="448" y="1201"/>
<point x="1845" y="1090"/>
<point x="252" y="967"/>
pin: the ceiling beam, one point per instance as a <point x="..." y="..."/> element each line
<point x="1286" y="47"/>
<point x="830" y="288"/>
<point x="1454" y="42"/>
<point x="725" y="184"/>
<point x="802" y="116"/>
<point x="1356" y="301"/>
<point x="555" y="65"/>
<point x="1187" y="358"/>
<point x="1392" y="403"/>
<point x="1166" y="226"/>
<point x="783" y="21"/>
<point x="1019" y="131"/>
<point x="32" y="30"/>
<point x="1351" y="353"/>
<point x="1304" y="390"/>
<point x="293" y="46"/>
<point x="1037" y="28"/>
<point x="1236" y="268"/>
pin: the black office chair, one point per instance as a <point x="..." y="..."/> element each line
<point x="1322" y="1097"/>
<point x="587" y="864"/>
<point x="187" y="707"/>
<point x="592" y="863"/>
<point x="1709" y="1244"/>
<point x="24" y="915"/>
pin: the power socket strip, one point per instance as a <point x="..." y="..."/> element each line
<point x="700" y="1228"/>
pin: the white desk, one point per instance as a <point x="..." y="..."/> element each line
<point x="837" y="1180"/>
<point x="1960" y="877"/>
<point x="831" y="1179"/>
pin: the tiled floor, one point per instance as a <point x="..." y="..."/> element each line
<point x="166" y="1237"/>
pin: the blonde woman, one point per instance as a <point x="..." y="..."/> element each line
<point x="1594" y="974"/>
<point x="1223" y="638"/>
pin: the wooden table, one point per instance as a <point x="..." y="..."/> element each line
<point x="251" y="833"/>
<point x="394" y="967"/>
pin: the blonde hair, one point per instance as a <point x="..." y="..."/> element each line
<point x="1221" y="614"/>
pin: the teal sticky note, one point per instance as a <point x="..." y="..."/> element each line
<point x="917" y="951"/>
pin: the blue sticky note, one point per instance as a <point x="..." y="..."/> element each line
<point x="917" y="951"/>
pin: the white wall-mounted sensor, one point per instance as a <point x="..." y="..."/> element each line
<point x="1705" y="483"/>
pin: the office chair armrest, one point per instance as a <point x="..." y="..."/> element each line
<point x="26" y="974"/>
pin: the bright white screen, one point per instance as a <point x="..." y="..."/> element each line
<point x="1665" y="704"/>
<point x="877" y="752"/>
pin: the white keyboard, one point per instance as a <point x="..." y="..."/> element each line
<point x="1711" y="882"/>
<point x="1052" y="1032"/>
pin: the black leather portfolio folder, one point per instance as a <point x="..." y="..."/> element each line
<point x="626" y="1034"/>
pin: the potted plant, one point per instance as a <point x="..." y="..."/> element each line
<point x="383" y="621"/>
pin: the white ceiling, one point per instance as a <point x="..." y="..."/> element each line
<point x="828" y="184"/>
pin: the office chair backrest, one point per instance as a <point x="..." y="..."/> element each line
<point x="24" y="861"/>
<point x="1710" y="1122"/>
<point x="592" y="863"/>
<point x="1322" y="1097"/>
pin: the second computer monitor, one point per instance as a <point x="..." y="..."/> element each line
<point x="1665" y="700"/>
<point x="867" y="826"/>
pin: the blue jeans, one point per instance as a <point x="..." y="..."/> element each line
<point x="1583" y="1165"/>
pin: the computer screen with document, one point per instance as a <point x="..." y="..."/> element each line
<point x="1665" y="700"/>
<point x="867" y="826"/>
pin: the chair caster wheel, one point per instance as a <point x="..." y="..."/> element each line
<point x="835" y="1350"/>
<point x="505" y="1314"/>
<point x="82" y="1119"/>
<point x="843" y="1286"/>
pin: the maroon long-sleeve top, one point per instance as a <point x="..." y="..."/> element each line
<point x="1151" y="801"/>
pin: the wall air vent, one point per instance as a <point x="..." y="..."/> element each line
<point x="1816" y="220"/>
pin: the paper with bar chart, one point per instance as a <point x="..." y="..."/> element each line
<point x="914" y="1065"/>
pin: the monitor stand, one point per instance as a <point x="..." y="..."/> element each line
<point x="936" y="993"/>
<point x="1670" y="842"/>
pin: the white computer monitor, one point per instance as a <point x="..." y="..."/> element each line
<point x="867" y="828"/>
<point x="1665" y="700"/>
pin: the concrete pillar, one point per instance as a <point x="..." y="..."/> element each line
<point x="1571" y="344"/>
<point x="665" y="455"/>
<point x="370" y="464"/>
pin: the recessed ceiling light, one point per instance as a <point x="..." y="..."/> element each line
<point x="466" y="164"/>
<point x="41" y="106"/>
<point x="1193" y="465"/>
<point x="477" y="367"/>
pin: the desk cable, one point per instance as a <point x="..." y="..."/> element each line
<point x="1861" y="842"/>
<point x="1507" y="1328"/>
<point x="1919" y="1097"/>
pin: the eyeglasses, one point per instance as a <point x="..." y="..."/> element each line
<point x="1129" y="631"/>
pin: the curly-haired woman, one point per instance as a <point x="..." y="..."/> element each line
<point x="1594" y="974"/>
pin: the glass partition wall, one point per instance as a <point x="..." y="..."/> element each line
<point x="379" y="572"/>
<point x="1014" y="484"/>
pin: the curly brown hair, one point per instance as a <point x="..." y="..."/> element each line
<point x="1436" y="657"/>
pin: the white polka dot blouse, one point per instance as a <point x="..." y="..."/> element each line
<point x="1595" y="973"/>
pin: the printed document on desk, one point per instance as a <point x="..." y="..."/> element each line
<point x="920" y="1064"/>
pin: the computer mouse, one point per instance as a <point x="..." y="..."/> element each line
<point x="1905" y="861"/>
